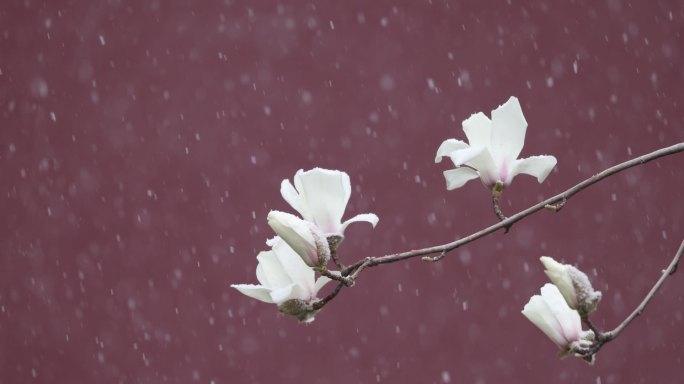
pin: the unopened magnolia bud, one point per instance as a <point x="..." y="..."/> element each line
<point x="587" y="297"/>
<point x="573" y="284"/>
<point x="299" y="309"/>
<point x="303" y="236"/>
<point x="322" y="247"/>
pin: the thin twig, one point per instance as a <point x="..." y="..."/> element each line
<point x="604" y="337"/>
<point x="333" y="242"/>
<point x="332" y="276"/>
<point x="561" y="197"/>
<point x="322" y="302"/>
<point x="554" y="203"/>
<point x="496" y="202"/>
<point x="358" y="270"/>
<point x="667" y="272"/>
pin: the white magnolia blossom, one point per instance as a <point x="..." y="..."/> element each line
<point x="562" y="324"/>
<point x="573" y="284"/>
<point x="492" y="150"/>
<point x="321" y="196"/>
<point x="304" y="237"/>
<point x="284" y="280"/>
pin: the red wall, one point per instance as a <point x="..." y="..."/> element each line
<point x="143" y="145"/>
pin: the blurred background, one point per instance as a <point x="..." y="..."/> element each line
<point x="142" y="145"/>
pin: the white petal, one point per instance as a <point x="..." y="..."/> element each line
<point x="508" y="131"/>
<point x="456" y="178"/>
<point x="293" y="265"/>
<point x="369" y="217"/>
<point x="538" y="313"/>
<point x="482" y="162"/>
<point x="255" y="291"/>
<point x="326" y="193"/>
<point x="567" y="318"/>
<point x="302" y="293"/>
<point x="558" y="274"/>
<point x="478" y="129"/>
<point x="283" y="294"/>
<point x="447" y="147"/>
<point x="320" y="283"/>
<point x="270" y="272"/>
<point x="537" y="166"/>
<point x="293" y="198"/>
<point x="463" y="156"/>
<point x="296" y="233"/>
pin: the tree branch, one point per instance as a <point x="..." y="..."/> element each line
<point x="555" y="201"/>
<point x="604" y="337"/>
<point x="667" y="272"/>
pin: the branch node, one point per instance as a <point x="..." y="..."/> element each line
<point x="433" y="259"/>
<point x="558" y="206"/>
<point x="348" y="281"/>
<point x="366" y="262"/>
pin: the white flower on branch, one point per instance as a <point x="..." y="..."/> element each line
<point x="492" y="150"/>
<point x="285" y="280"/>
<point x="562" y="324"/>
<point x="573" y="284"/>
<point x="320" y="196"/>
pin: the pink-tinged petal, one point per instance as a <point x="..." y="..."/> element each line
<point x="508" y="131"/>
<point x="482" y="162"/>
<point x="569" y="322"/>
<point x="478" y="130"/>
<point x="368" y="217"/>
<point x="456" y="178"/>
<point x="255" y="291"/>
<point x="292" y="197"/>
<point x="448" y="146"/>
<point x="552" y="315"/>
<point x="538" y="313"/>
<point x="537" y="166"/>
<point x="326" y="193"/>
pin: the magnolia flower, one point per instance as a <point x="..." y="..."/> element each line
<point x="303" y="236"/>
<point x="550" y="313"/>
<point x="320" y="196"/>
<point x="285" y="280"/>
<point x="492" y="150"/>
<point x="573" y="284"/>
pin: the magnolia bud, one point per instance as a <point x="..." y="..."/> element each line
<point x="303" y="236"/>
<point x="573" y="284"/>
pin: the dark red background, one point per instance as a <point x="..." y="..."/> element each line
<point x="142" y="146"/>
